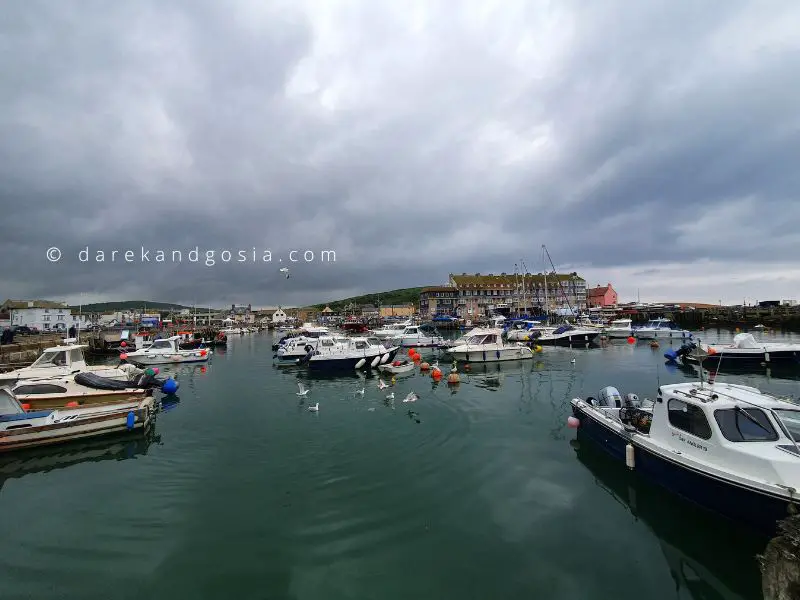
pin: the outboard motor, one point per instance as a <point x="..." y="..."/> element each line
<point x="674" y="355"/>
<point x="609" y="397"/>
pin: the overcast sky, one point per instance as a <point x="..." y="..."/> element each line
<point x="654" y="145"/>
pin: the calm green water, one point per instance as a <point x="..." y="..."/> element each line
<point x="242" y="493"/>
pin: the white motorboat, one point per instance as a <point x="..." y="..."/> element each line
<point x="61" y="361"/>
<point x="730" y="448"/>
<point x="656" y="329"/>
<point x="568" y="335"/>
<point x="359" y="352"/>
<point x="619" y="328"/>
<point x="296" y="348"/>
<point x="166" y="351"/>
<point x="523" y="331"/>
<point x="390" y="330"/>
<point x="415" y="336"/>
<point x="487" y="345"/>
<point x="21" y="429"/>
<point x="229" y="331"/>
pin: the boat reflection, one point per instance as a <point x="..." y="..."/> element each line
<point x="707" y="556"/>
<point x="43" y="460"/>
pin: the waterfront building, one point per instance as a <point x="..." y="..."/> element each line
<point x="601" y="297"/>
<point x="405" y="310"/>
<point x="43" y="315"/>
<point x="438" y="300"/>
<point x="518" y="293"/>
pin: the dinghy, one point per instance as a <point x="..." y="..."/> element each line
<point x="397" y="367"/>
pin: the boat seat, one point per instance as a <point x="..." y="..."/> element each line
<point x="24" y="415"/>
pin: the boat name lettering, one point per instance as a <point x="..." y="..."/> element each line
<point x="689" y="442"/>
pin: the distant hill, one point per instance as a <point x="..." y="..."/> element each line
<point x="133" y="305"/>
<point x="400" y="296"/>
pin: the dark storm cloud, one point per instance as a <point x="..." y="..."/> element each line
<point x="414" y="141"/>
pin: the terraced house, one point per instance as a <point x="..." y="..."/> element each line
<point x="478" y="295"/>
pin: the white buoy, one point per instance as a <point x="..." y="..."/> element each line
<point x="629" y="460"/>
<point x="766" y="357"/>
<point x="375" y="361"/>
<point x="361" y="363"/>
<point x="384" y="358"/>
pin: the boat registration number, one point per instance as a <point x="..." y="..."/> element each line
<point x="689" y="442"/>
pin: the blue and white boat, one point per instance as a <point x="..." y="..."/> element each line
<point x="296" y="348"/>
<point x="729" y="448"/>
<point x="359" y="353"/>
<point x="657" y="329"/>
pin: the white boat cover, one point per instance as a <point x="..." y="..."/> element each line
<point x="745" y="340"/>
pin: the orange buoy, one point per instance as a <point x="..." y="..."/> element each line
<point x="654" y="344"/>
<point x="436" y="374"/>
<point x="26" y="406"/>
<point x="411" y="352"/>
<point x="711" y="351"/>
<point x="416" y="358"/>
<point x="453" y="378"/>
<point x="72" y="404"/>
<point x="631" y="340"/>
<point x="424" y="366"/>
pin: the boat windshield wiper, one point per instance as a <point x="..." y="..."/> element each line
<point x="752" y="419"/>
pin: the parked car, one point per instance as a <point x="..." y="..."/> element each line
<point x="24" y="330"/>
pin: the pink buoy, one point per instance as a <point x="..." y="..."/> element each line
<point x="123" y="356"/>
<point x="155" y="370"/>
<point x="123" y="344"/>
<point x="573" y="422"/>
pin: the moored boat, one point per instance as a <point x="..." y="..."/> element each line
<point x="418" y="336"/>
<point x="745" y="350"/>
<point x="398" y="367"/>
<point x="729" y="448"/>
<point x="487" y="345"/>
<point x="360" y="352"/>
<point x="166" y="351"/>
<point x="657" y="329"/>
<point x="619" y="328"/>
<point x="568" y="335"/>
<point x="21" y="429"/>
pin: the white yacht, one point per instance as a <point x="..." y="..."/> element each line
<point x="166" y="351"/>
<point x="296" y="348"/>
<point x="487" y="345"/>
<point x="418" y="336"/>
<point x="660" y="329"/>
<point x="390" y="330"/>
<point x="568" y="335"/>
<point x="62" y="361"/>
<point x="619" y="328"/>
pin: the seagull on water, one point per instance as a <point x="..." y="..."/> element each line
<point x="412" y="397"/>
<point x="314" y="407"/>
<point x="382" y="385"/>
<point x="361" y="391"/>
<point x="573" y="361"/>
<point x="301" y="389"/>
<point x="390" y="396"/>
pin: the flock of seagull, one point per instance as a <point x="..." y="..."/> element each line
<point x="303" y="391"/>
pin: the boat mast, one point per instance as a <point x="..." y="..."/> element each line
<point x="560" y="287"/>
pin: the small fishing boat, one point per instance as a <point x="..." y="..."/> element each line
<point x="390" y="330"/>
<point x="21" y="429"/>
<point x="62" y="361"/>
<point x="166" y="351"/>
<point x="744" y="351"/>
<point x="397" y="367"/>
<point x="729" y="448"/>
<point x="418" y="336"/>
<point x="40" y="394"/>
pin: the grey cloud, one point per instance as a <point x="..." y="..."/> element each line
<point x="414" y="142"/>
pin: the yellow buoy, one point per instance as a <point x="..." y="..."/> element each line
<point x="537" y="349"/>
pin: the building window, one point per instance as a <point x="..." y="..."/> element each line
<point x="60" y="317"/>
<point x="745" y="425"/>
<point x="689" y="418"/>
<point x="46" y="318"/>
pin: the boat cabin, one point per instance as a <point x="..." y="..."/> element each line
<point x="61" y="356"/>
<point x="164" y="345"/>
<point x="662" y="324"/>
<point x="484" y="337"/>
<point x="11" y="410"/>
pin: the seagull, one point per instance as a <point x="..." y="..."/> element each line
<point x="390" y="396"/>
<point x="301" y="389"/>
<point x="361" y="391"/>
<point x="286" y="271"/>
<point x="381" y="384"/>
<point x="314" y="407"/>
<point x="412" y="397"/>
<point x="573" y="361"/>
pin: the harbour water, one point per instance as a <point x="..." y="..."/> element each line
<point x="480" y="492"/>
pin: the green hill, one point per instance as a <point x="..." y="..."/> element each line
<point x="400" y="296"/>
<point x="136" y="305"/>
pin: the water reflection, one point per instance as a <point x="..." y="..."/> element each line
<point x="122" y="447"/>
<point x="707" y="556"/>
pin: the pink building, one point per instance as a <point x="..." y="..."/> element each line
<point x="601" y="296"/>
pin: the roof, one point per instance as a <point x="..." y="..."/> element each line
<point x="509" y="281"/>
<point x="17" y="304"/>
<point x="438" y="288"/>
<point x="599" y="291"/>
<point x="726" y="395"/>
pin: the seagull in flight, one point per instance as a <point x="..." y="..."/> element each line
<point x="285" y="270"/>
<point x="301" y="389"/>
<point x="382" y="385"/>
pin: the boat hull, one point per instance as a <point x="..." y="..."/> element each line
<point x="577" y="339"/>
<point x="747" y="359"/>
<point x="661" y="334"/>
<point x="753" y="508"/>
<point x="421" y="342"/>
<point x="618" y="333"/>
<point x="168" y="359"/>
<point x="106" y="423"/>
<point x="346" y="363"/>
<point x="497" y="355"/>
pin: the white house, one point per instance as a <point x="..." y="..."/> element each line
<point x="278" y="317"/>
<point x="44" y="315"/>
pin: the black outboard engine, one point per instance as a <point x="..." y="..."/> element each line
<point x="674" y="355"/>
<point x="632" y="415"/>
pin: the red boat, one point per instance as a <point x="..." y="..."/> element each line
<point x="355" y="327"/>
